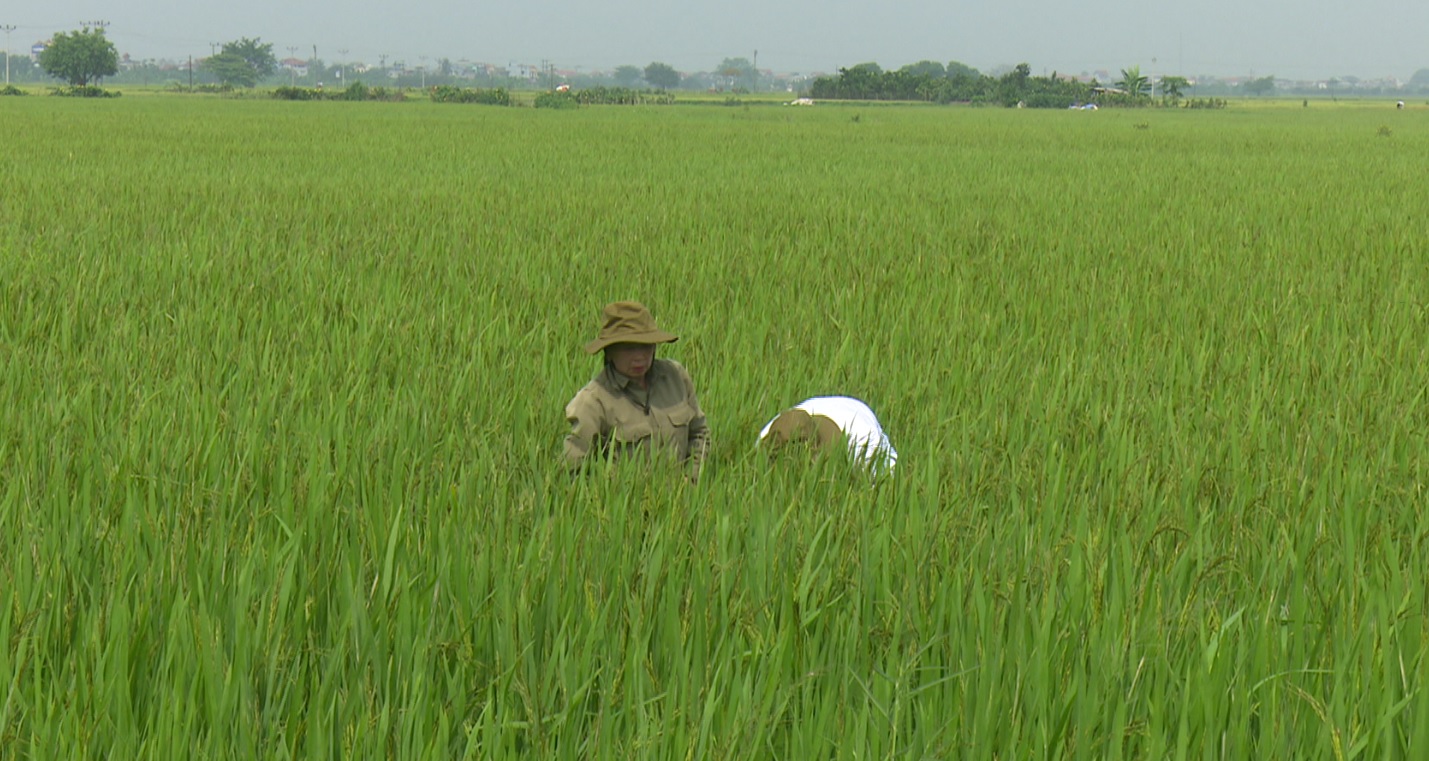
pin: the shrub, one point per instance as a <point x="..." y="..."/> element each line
<point x="556" y="100"/>
<point x="12" y="90"/>
<point x="386" y="94"/>
<point x="1204" y="103"/>
<point x="297" y="93"/>
<point x="451" y="94"/>
<point x="83" y="91"/>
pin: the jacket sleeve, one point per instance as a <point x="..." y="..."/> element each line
<point x="699" y="431"/>
<point x="584" y="415"/>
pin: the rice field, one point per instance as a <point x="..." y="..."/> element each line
<point x="281" y="421"/>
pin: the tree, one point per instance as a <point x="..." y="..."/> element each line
<point x="1263" y="86"/>
<point x="80" y="57"/>
<point x="231" y="70"/>
<point x="1133" y="82"/>
<point x="256" y="53"/>
<point x="1012" y="86"/>
<point x="926" y="69"/>
<point x="627" y="75"/>
<point x="1175" y="86"/>
<point x="739" y="73"/>
<point x="956" y="69"/>
<point x="662" y="75"/>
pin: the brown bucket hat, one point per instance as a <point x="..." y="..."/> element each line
<point x="627" y="322"/>
<point x="798" y="425"/>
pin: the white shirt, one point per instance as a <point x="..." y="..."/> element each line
<point x="867" y="443"/>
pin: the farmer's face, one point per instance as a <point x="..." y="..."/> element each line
<point x="631" y="360"/>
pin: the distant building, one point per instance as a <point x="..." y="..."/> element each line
<point x="297" y="66"/>
<point x="38" y="48"/>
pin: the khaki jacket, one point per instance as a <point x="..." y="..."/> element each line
<point x="616" y="419"/>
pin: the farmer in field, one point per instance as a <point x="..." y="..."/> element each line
<point x="637" y="406"/>
<point x="827" y="421"/>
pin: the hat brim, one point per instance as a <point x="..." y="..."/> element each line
<point x="649" y="337"/>
<point x="797" y="425"/>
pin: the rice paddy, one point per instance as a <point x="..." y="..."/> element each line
<point x="280" y="432"/>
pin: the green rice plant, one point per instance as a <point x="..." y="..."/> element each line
<point x="280" y="429"/>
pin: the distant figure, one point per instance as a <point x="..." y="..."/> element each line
<point x="563" y="88"/>
<point x="1400" y="105"/>
<point x="823" y="420"/>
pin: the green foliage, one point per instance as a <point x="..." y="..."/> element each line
<point x="230" y="69"/>
<point x="662" y="76"/>
<point x="556" y="100"/>
<point x="1260" y="87"/>
<point x="929" y="69"/>
<point x="628" y="76"/>
<point x="386" y="94"/>
<point x="1113" y="99"/>
<point x="869" y="82"/>
<point x="80" y="57"/>
<point x="84" y="91"/>
<point x="739" y="73"/>
<point x="1204" y="103"/>
<point x="1175" y="87"/>
<point x="355" y="91"/>
<point x="11" y="90"/>
<point x="620" y="96"/>
<point x="1134" y="82"/>
<point x="491" y="97"/>
<point x="286" y="485"/>
<point x="297" y="93"/>
<point x="258" y="55"/>
<point x="957" y="70"/>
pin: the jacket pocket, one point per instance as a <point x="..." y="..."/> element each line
<point x="631" y="432"/>
<point x="677" y="427"/>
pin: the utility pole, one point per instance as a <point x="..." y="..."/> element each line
<point x="8" y="29"/>
<point x="292" y="70"/>
<point x="424" y="70"/>
<point x="342" y="67"/>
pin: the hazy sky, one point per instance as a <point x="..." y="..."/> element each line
<point x="1297" y="39"/>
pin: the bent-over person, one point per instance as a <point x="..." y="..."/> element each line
<point x="826" y="420"/>
<point x="637" y="406"/>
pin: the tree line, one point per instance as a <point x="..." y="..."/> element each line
<point x="960" y="83"/>
<point x="84" y="57"/>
